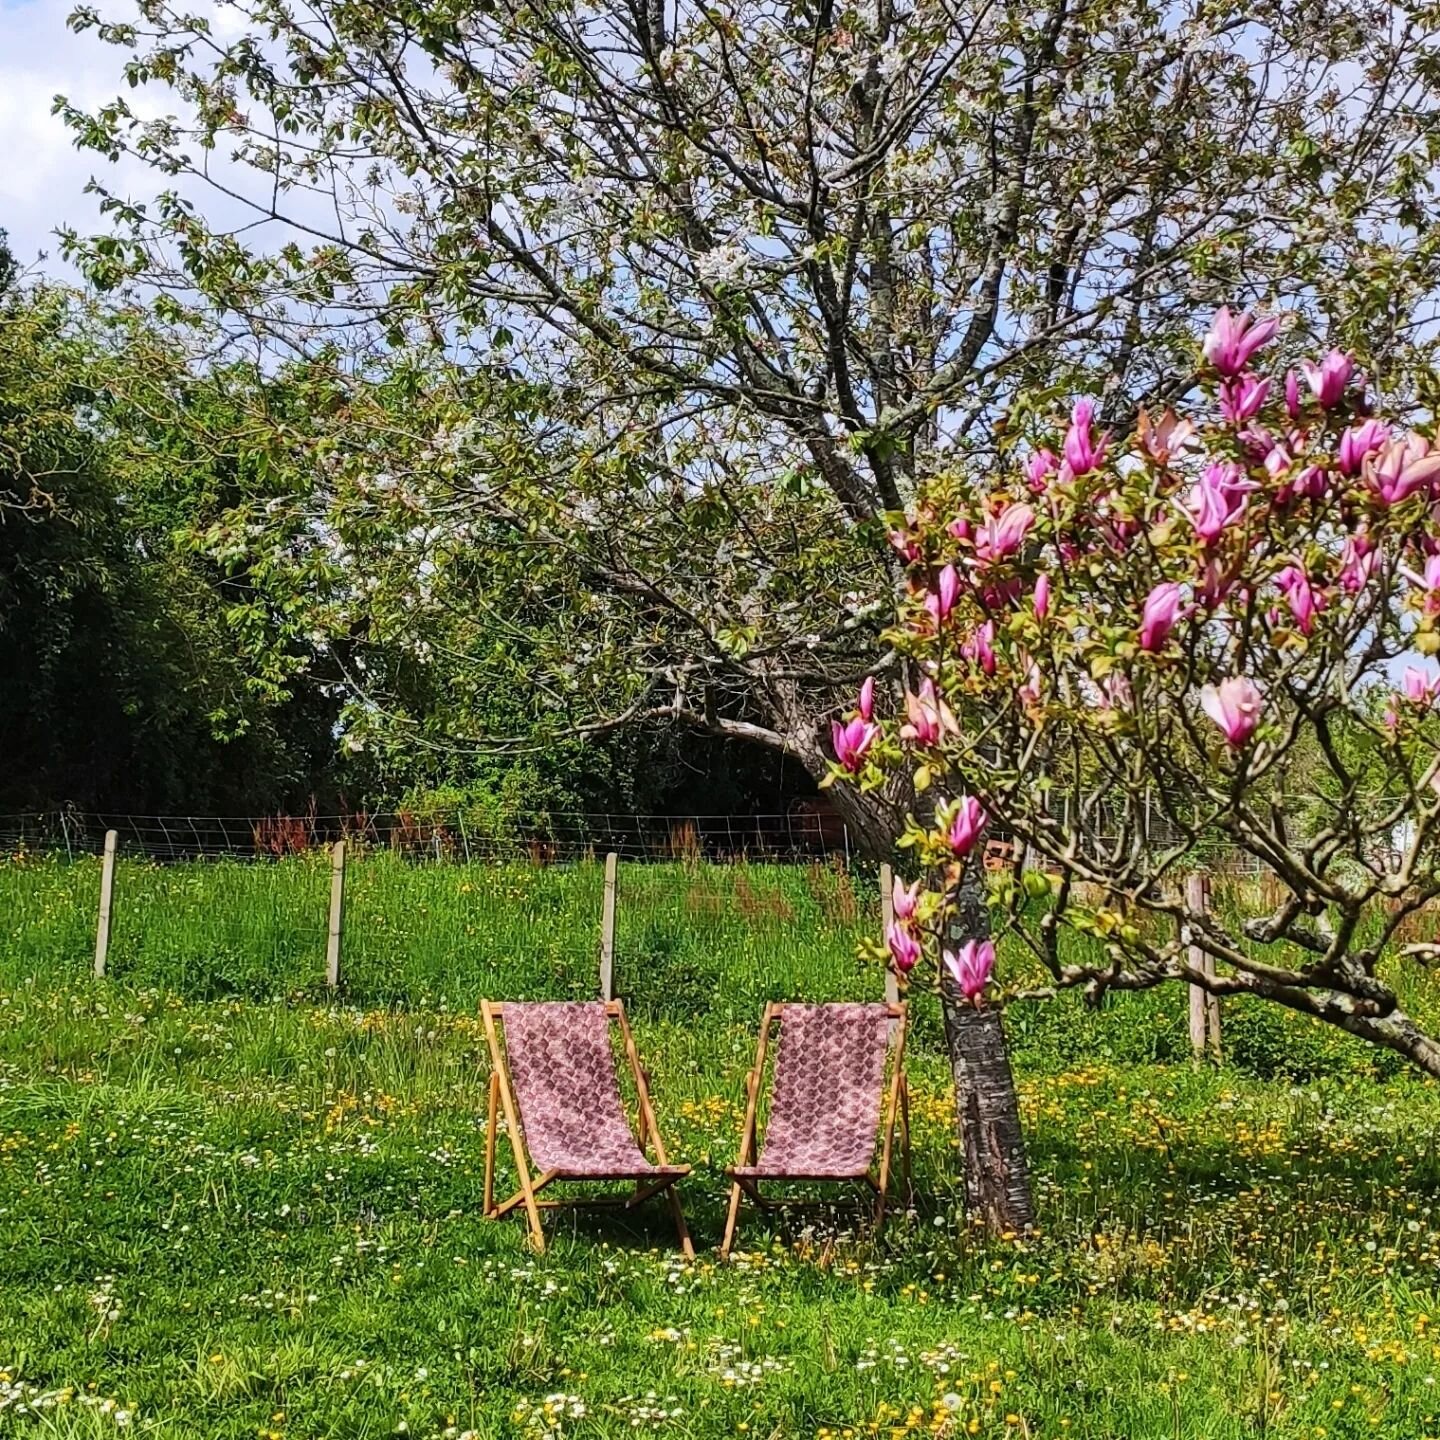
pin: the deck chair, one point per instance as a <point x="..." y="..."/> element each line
<point x="555" y="1080"/>
<point x="827" y="1101"/>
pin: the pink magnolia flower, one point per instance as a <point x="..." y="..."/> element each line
<point x="927" y="716"/>
<point x="1233" y="339"/>
<point x="1420" y="688"/>
<point x="941" y="600"/>
<point x="1003" y="534"/>
<point x="1216" y="584"/>
<point x="1292" y="394"/>
<point x="980" y="647"/>
<point x="1234" y="705"/>
<point x="1042" y="466"/>
<point x="1167" y="438"/>
<point x="1277" y="466"/>
<point x="1116" y="692"/>
<point x="1030" y="691"/>
<point x="1358" y="442"/>
<point x="1328" y="379"/>
<point x="866" y="707"/>
<point x="1311" y="482"/>
<point x="1242" y="397"/>
<point x="970" y="967"/>
<point x="967" y="823"/>
<point x="904" y="948"/>
<point x="904" y="902"/>
<point x="1260" y="444"/>
<point x="958" y="529"/>
<point x="904" y="546"/>
<point x="1429" y="579"/>
<point x="1042" y="597"/>
<point x="1402" y="469"/>
<point x="1157" y="620"/>
<point x="998" y="595"/>
<point x="852" y="741"/>
<point x="1218" y="499"/>
<point x="1304" y="600"/>
<point x="1357" y="562"/>
<point x="1119" y="530"/>
<point x="1082" y="452"/>
<point x="1429" y="582"/>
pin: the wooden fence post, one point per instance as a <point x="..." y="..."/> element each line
<point x="607" y="928"/>
<point x="107" y="902"/>
<point x="1204" y="1007"/>
<point x="337" y="915"/>
<point x="887" y="918"/>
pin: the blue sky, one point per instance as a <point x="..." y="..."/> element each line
<point x="42" y="175"/>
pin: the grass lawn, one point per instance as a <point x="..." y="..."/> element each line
<point x="231" y="1207"/>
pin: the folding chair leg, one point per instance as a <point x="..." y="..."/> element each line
<point x="887" y="1147"/>
<point x="492" y="1121"/>
<point x="753" y="1082"/>
<point x="519" y="1197"/>
<point x="732" y="1221"/>
<point x="527" y="1194"/>
<point x="512" y="1125"/>
<point x="905" y="1143"/>
<point x="672" y="1198"/>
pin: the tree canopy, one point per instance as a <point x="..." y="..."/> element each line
<point x="1223" y="622"/>
<point x="125" y="686"/>
<point x="699" y="295"/>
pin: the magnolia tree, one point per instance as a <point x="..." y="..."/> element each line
<point x="1214" y="633"/>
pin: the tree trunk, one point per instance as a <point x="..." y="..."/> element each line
<point x="874" y="820"/>
<point x="997" y="1177"/>
<point x="987" y="1109"/>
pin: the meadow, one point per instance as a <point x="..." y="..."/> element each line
<point x="235" y="1205"/>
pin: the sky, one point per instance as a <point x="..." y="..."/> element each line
<point x="42" y="175"/>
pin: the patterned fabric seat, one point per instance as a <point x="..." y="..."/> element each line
<point x="554" y="1078"/>
<point x="830" y="1102"/>
<point x="829" y="1085"/>
<point x="570" y="1107"/>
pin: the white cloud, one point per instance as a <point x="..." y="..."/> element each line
<point x="42" y="174"/>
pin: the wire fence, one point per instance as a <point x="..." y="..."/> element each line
<point x="420" y="923"/>
<point x="809" y="832"/>
<point x="805" y="833"/>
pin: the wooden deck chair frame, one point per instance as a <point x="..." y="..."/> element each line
<point x="502" y="1098"/>
<point x="896" y="1109"/>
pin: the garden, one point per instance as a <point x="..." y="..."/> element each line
<point x="236" y="1206"/>
<point x="832" y="604"/>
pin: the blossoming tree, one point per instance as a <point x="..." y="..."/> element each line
<point x="1222" y="621"/>
<point x="679" y="300"/>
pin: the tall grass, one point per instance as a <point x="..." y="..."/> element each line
<point x="236" y="1206"/>
<point x="692" y="940"/>
<point x="689" y="937"/>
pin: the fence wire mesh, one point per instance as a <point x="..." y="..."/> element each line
<point x="806" y="832"/>
<point x="211" y="908"/>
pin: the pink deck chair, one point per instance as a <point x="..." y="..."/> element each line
<point x="555" y="1080"/>
<point x="828" y="1101"/>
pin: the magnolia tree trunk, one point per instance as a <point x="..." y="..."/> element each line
<point x="997" y="1178"/>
